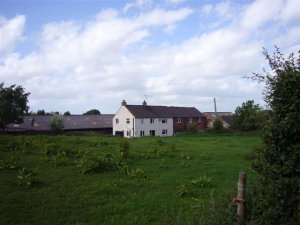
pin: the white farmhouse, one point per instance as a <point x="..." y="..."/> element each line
<point x="145" y="120"/>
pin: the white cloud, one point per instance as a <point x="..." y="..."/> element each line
<point x="291" y="12"/>
<point x="175" y="1"/>
<point x="141" y="4"/>
<point x="95" y="64"/>
<point x="260" y="12"/>
<point x="11" y="31"/>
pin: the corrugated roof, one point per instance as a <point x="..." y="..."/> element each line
<point x="140" y="111"/>
<point x="73" y="122"/>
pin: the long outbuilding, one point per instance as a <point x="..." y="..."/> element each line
<point x="33" y="123"/>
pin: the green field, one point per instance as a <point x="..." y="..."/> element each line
<point x="82" y="179"/>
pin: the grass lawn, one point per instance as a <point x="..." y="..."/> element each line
<point x="82" y="179"/>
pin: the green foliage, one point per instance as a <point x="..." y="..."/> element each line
<point x="163" y="164"/>
<point x="137" y="173"/>
<point x="218" y="124"/>
<point x="216" y="211"/>
<point x="13" y="104"/>
<point x="248" y="117"/>
<point x="124" y="149"/>
<point x="26" y="177"/>
<point x="277" y="162"/>
<point x="202" y="182"/>
<point x="41" y="112"/>
<point x="145" y="186"/>
<point x="10" y="164"/>
<point x="92" y="112"/>
<point x="184" y="190"/>
<point x="192" y="128"/>
<point x="91" y="163"/>
<point x="67" y="113"/>
<point x="57" y="123"/>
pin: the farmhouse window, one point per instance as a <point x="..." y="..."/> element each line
<point x="128" y="121"/>
<point x="152" y="120"/>
<point x="117" y="121"/>
<point x="190" y="120"/>
<point x="164" y="132"/>
<point x="152" y="132"/>
<point x="199" y="120"/>
<point x="128" y="133"/>
<point x="164" y="120"/>
<point x="178" y="120"/>
<point x="142" y="120"/>
<point x="142" y="133"/>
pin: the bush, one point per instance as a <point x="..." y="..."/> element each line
<point x="218" y="124"/>
<point x="57" y="123"/>
<point x="277" y="163"/>
<point x="192" y="128"/>
<point x="91" y="163"/>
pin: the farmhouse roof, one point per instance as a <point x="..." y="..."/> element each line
<point x="73" y="122"/>
<point x="147" y="111"/>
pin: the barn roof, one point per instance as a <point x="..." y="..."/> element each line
<point x="73" y="122"/>
<point x="147" y="111"/>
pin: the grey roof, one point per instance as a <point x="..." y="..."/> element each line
<point x="73" y="122"/>
<point x="140" y="111"/>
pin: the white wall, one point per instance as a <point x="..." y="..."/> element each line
<point x="136" y="126"/>
<point x="122" y="115"/>
<point x="158" y="126"/>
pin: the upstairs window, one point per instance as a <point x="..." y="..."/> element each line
<point x="152" y="120"/>
<point x="199" y="120"/>
<point x="117" y="121"/>
<point x="128" y="121"/>
<point x="142" y="120"/>
<point x="190" y="120"/>
<point x="164" y="120"/>
<point x="178" y="120"/>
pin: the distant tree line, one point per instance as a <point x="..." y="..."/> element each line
<point x="42" y="112"/>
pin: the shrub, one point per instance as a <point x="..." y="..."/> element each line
<point x="57" y="123"/>
<point x="91" y="163"/>
<point x="218" y="124"/>
<point x="277" y="163"/>
<point x="192" y="128"/>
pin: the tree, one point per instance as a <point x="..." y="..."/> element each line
<point x="41" y="112"/>
<point x="277" y="163"/>
<point x="92" y="112"/>
<point x="13" y="104"/>
<point x="67" y="113"/>
<point x="248" y="117"/>
<point x="57" y="123"/>
<point x="218" y="124"/>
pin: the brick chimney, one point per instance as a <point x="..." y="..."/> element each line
<point x="123" y="103"/>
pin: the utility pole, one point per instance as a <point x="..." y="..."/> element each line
<point x="215" y="104"/>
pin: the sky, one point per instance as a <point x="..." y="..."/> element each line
<point x="77" y="55"/>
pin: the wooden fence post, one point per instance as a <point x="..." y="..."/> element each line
<point x="241" y="211"/>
